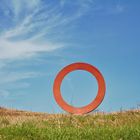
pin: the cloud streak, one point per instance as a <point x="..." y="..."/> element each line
<point x="23" y="49"/>
<point x="31" y="22"/>
<point x="29" y="28"/>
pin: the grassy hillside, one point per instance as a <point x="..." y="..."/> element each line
<point x="21" y="125"/>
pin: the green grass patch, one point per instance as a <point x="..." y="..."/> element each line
<point x="120" y="126"/>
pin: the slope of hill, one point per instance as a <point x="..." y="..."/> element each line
<point x="24" y="125"/>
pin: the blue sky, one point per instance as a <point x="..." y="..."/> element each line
<point x="39" y="37"/>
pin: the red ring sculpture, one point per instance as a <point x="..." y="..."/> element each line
<point x="91" y="106"/>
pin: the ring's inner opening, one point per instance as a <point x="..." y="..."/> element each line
<point x="79" y="88"/>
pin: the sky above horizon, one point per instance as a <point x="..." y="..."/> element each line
<point x="40" y="37"/>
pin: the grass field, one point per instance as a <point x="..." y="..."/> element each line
<point x="21" y="125"/>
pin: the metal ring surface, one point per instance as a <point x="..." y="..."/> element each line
<point x="91" y="106"/>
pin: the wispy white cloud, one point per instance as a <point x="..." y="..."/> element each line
<point x="10" y="77"/>
<point x="14" y="43"/>
<point x="32" y="21"/>
<point x="19" y="6"/>
<point x="23" y="49"/>
<point x="111" y="9"/>
<point x="12" y="80"/>
<point x="25" y="30"/>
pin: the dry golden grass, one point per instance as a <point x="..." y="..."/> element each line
<point x="12" y="116"/>
<point x="25" y="125"/>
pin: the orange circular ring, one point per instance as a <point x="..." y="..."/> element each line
<point x="100" y="94"/>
